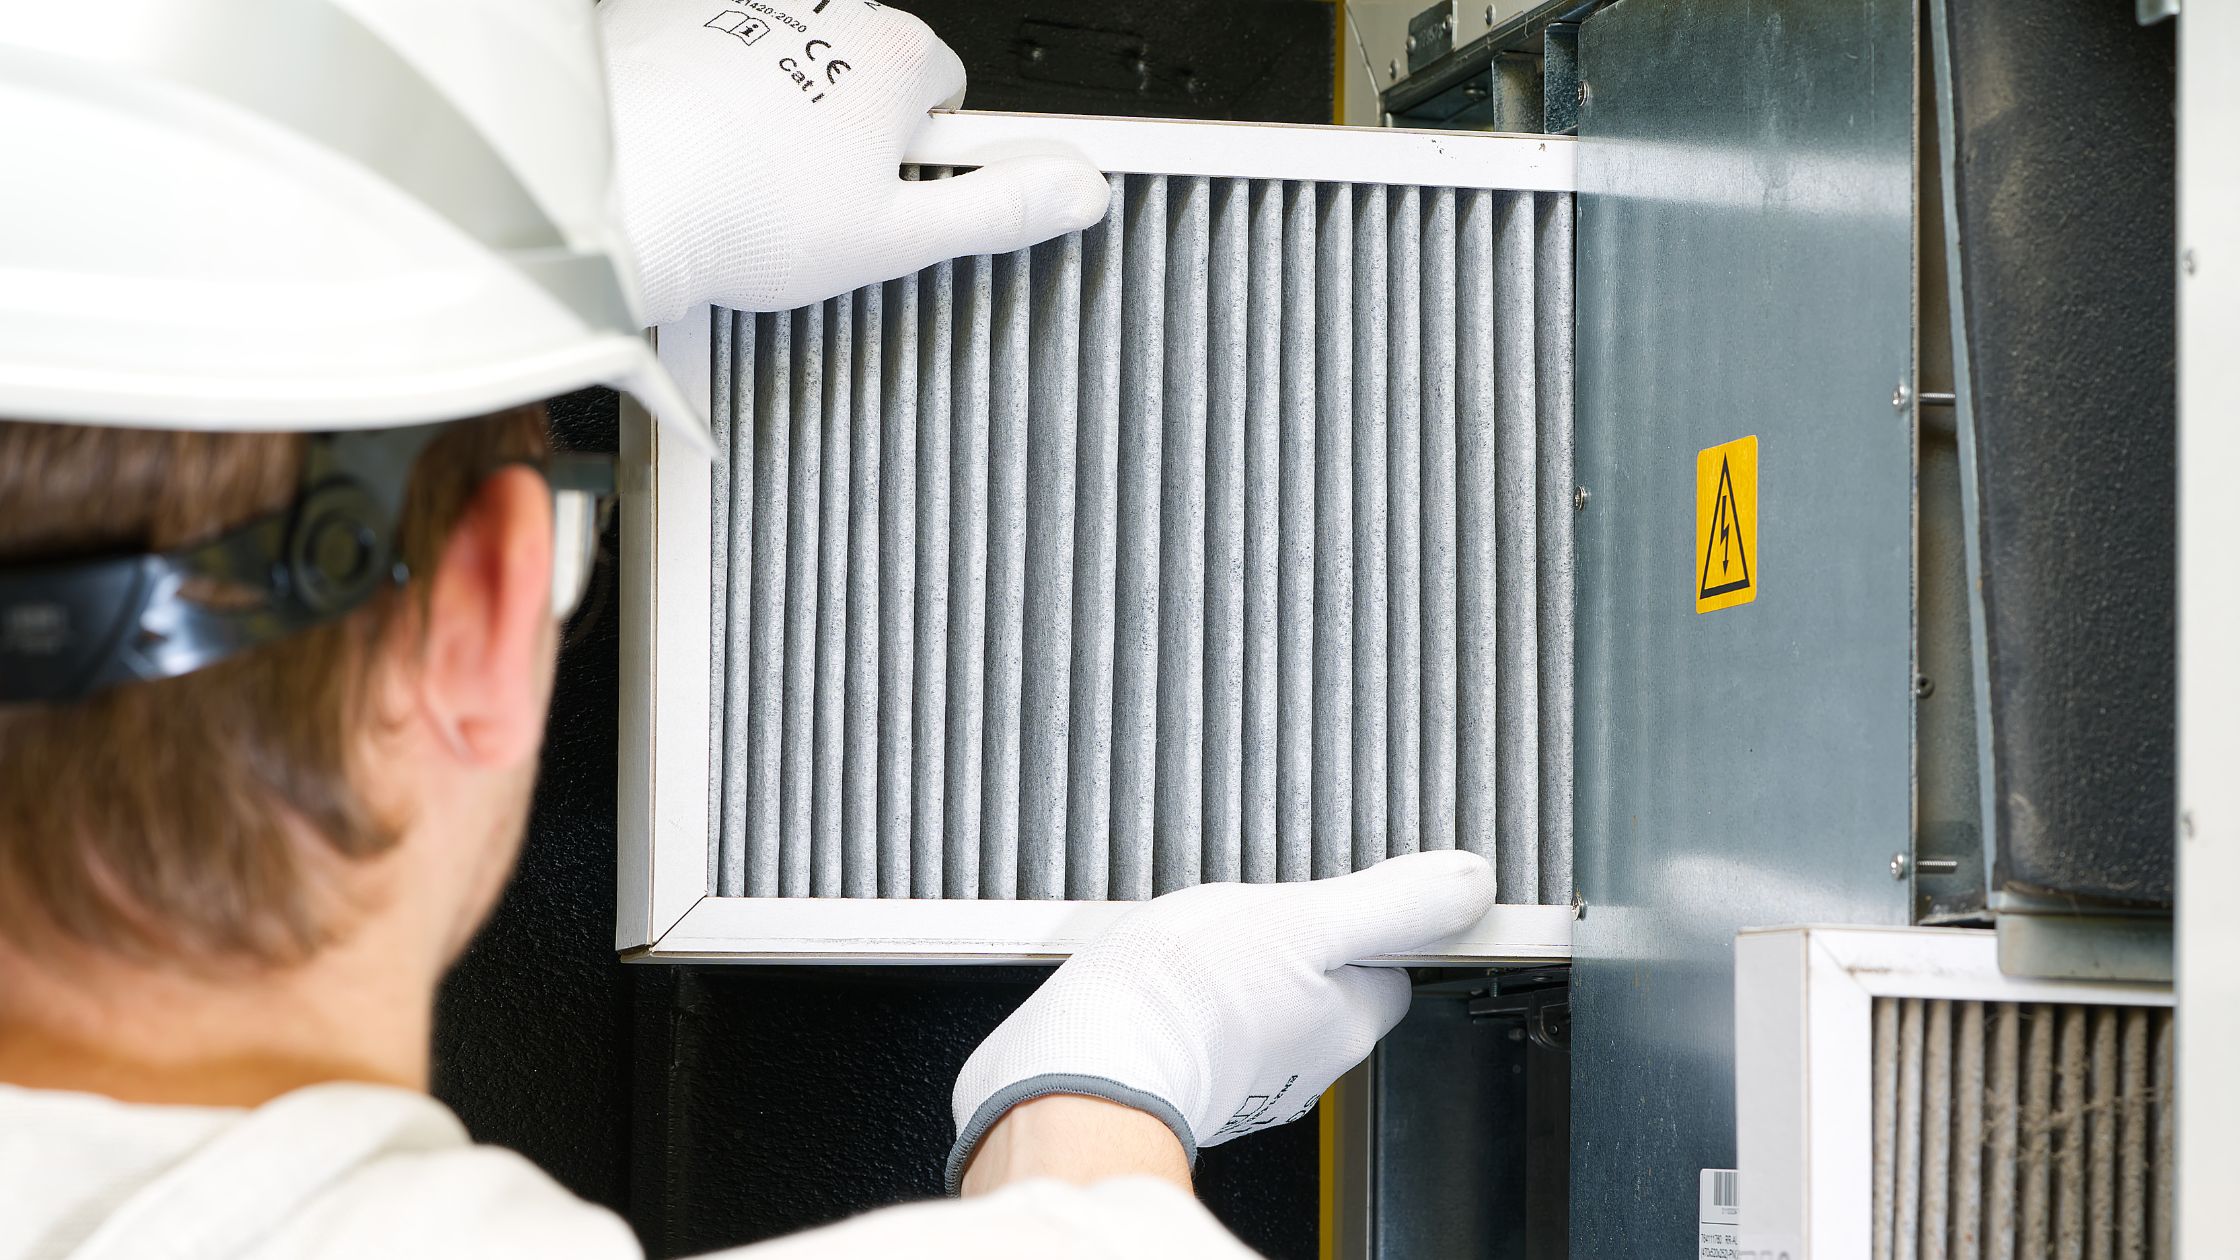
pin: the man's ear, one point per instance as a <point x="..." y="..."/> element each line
<point x="483" y="678"/>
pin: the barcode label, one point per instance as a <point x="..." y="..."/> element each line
<point x="1718" y="1215"/>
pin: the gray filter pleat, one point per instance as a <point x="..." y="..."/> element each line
<point x="1885" y="1122"/>
<point x="2069" y="1135"/>
<point x="968" y="578"/>
<point x="1404" y="522"/>
<point x="1906" y="1230"/>
<point x="738" y="579"/>
<point x="2005" y="1122"/>
<point x="1557" y="483"/>
<point x="2161" y="1089"/>
<point x="859" y="807"/>
<point x="1096" y="525"/>
<point x="1264" y="449"/>
<point x="1178" y="812"/>
<point x="1371" y="593"/>
<point x="1332" y="739"/>
<point x="2035" y="1173"/>
<point x="1295" y="557"/>
<point x="1229" y="539"/>
<point x="1516" y="507"/>
<point x="773" y="465"/>
<point x="827" y="864"/>
<point x="804" y="519"/>
<point x="930" y="674"/>
<point x="1936" y="1132"/>
<point x="1008" y="355"/>
<point x="2100" y="1150"/>
<point x="1046" y="646"/>
<point x="2131" y="1158"/>
<point x="1438" y="465"/>
<point x="1228" y="386"/>
<point x="1968" y="1136"/>
<point x="1477" y="577"/>
<point x="723" y="374"/>
<point x="1135" y="631"/>
<point x="898" y="581"/>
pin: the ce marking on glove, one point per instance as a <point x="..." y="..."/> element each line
<point x="806" y="68"/>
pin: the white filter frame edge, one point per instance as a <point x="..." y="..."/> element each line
<point x="663" y="888"/>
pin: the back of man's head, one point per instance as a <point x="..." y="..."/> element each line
<point x="182" y="820"/>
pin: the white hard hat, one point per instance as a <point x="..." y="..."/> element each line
<point x="297" y="215"/>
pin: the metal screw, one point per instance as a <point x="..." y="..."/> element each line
<point x="1901" y="395"/>
<point x="1923" y="686"/>
<point x="1489" y="15"/>
<point x="1897" y="866"/>
<point x="2185" y="823"/>
<point x="1516" y="1034"/>
<point x="1411" y="43"/>
<point x="2188" y="259"/>
<point x="1036" y="52"/>
<point x="1938" y="866"/>
<point x="1579" y="499"/>
<point x="1578" y="906"/>
<point x="1586" y="93"/>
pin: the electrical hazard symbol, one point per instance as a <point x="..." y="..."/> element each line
<point x="1726" y="553"/>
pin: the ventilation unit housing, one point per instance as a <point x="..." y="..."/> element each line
<point x="1227" y="540"/>
<point x="1897" y="1096"/>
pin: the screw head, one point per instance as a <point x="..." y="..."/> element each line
<point x="1579" y="499"/>
<point x="1411" y="43"/>
<point x="1900" y="396"/>
<point x="1924" y="686"/>
<point x="1897" y="866"/>
<point x="1392" y="69"/>
<point x="1489" y="15"/>
<point x="2188" y="259"/>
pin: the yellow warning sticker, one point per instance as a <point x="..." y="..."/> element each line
<point x="1726" y="554"/>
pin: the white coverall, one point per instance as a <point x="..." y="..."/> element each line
<point x="354" y="1172"/>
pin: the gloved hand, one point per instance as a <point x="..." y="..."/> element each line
<point x="1224" y="1008"/>
<point x="758" y="149"/>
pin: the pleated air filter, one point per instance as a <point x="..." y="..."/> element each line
<point x="1898" y="1097"/>
<point x="2006" y="1129"/>
<point x="1229" y="539"/>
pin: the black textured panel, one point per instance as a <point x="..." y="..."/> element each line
<point x="2063" y="174"/>
<point x="1258" y="61"/>
<point x="532" y="1030"/>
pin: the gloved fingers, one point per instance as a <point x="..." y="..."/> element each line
<point x="1400" y="904"/>
<point x="944" y="77"/>
<point x="1377" y="998"/>
<point x="1001" y="207"/>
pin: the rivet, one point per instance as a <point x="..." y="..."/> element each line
<point x="1924" y="686"/>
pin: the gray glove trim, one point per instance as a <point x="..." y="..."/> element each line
<point x="1003" y="1100"/>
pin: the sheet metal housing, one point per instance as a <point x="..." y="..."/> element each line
<point x="1746" y="262"/>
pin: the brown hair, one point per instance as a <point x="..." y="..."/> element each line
<point x="150" y="820"/>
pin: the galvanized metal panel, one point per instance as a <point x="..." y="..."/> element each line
<point x="1745" y="268"/>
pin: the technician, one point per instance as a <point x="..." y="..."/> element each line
<point x="283" y="555"/>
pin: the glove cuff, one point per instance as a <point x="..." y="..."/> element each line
<point x="1003" y="1100"/>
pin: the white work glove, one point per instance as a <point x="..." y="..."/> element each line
<point x="1225" y="1008"/>
<point x="758" y="151"/>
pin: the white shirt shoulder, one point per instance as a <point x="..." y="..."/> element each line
<point x="357" y="1172"/>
